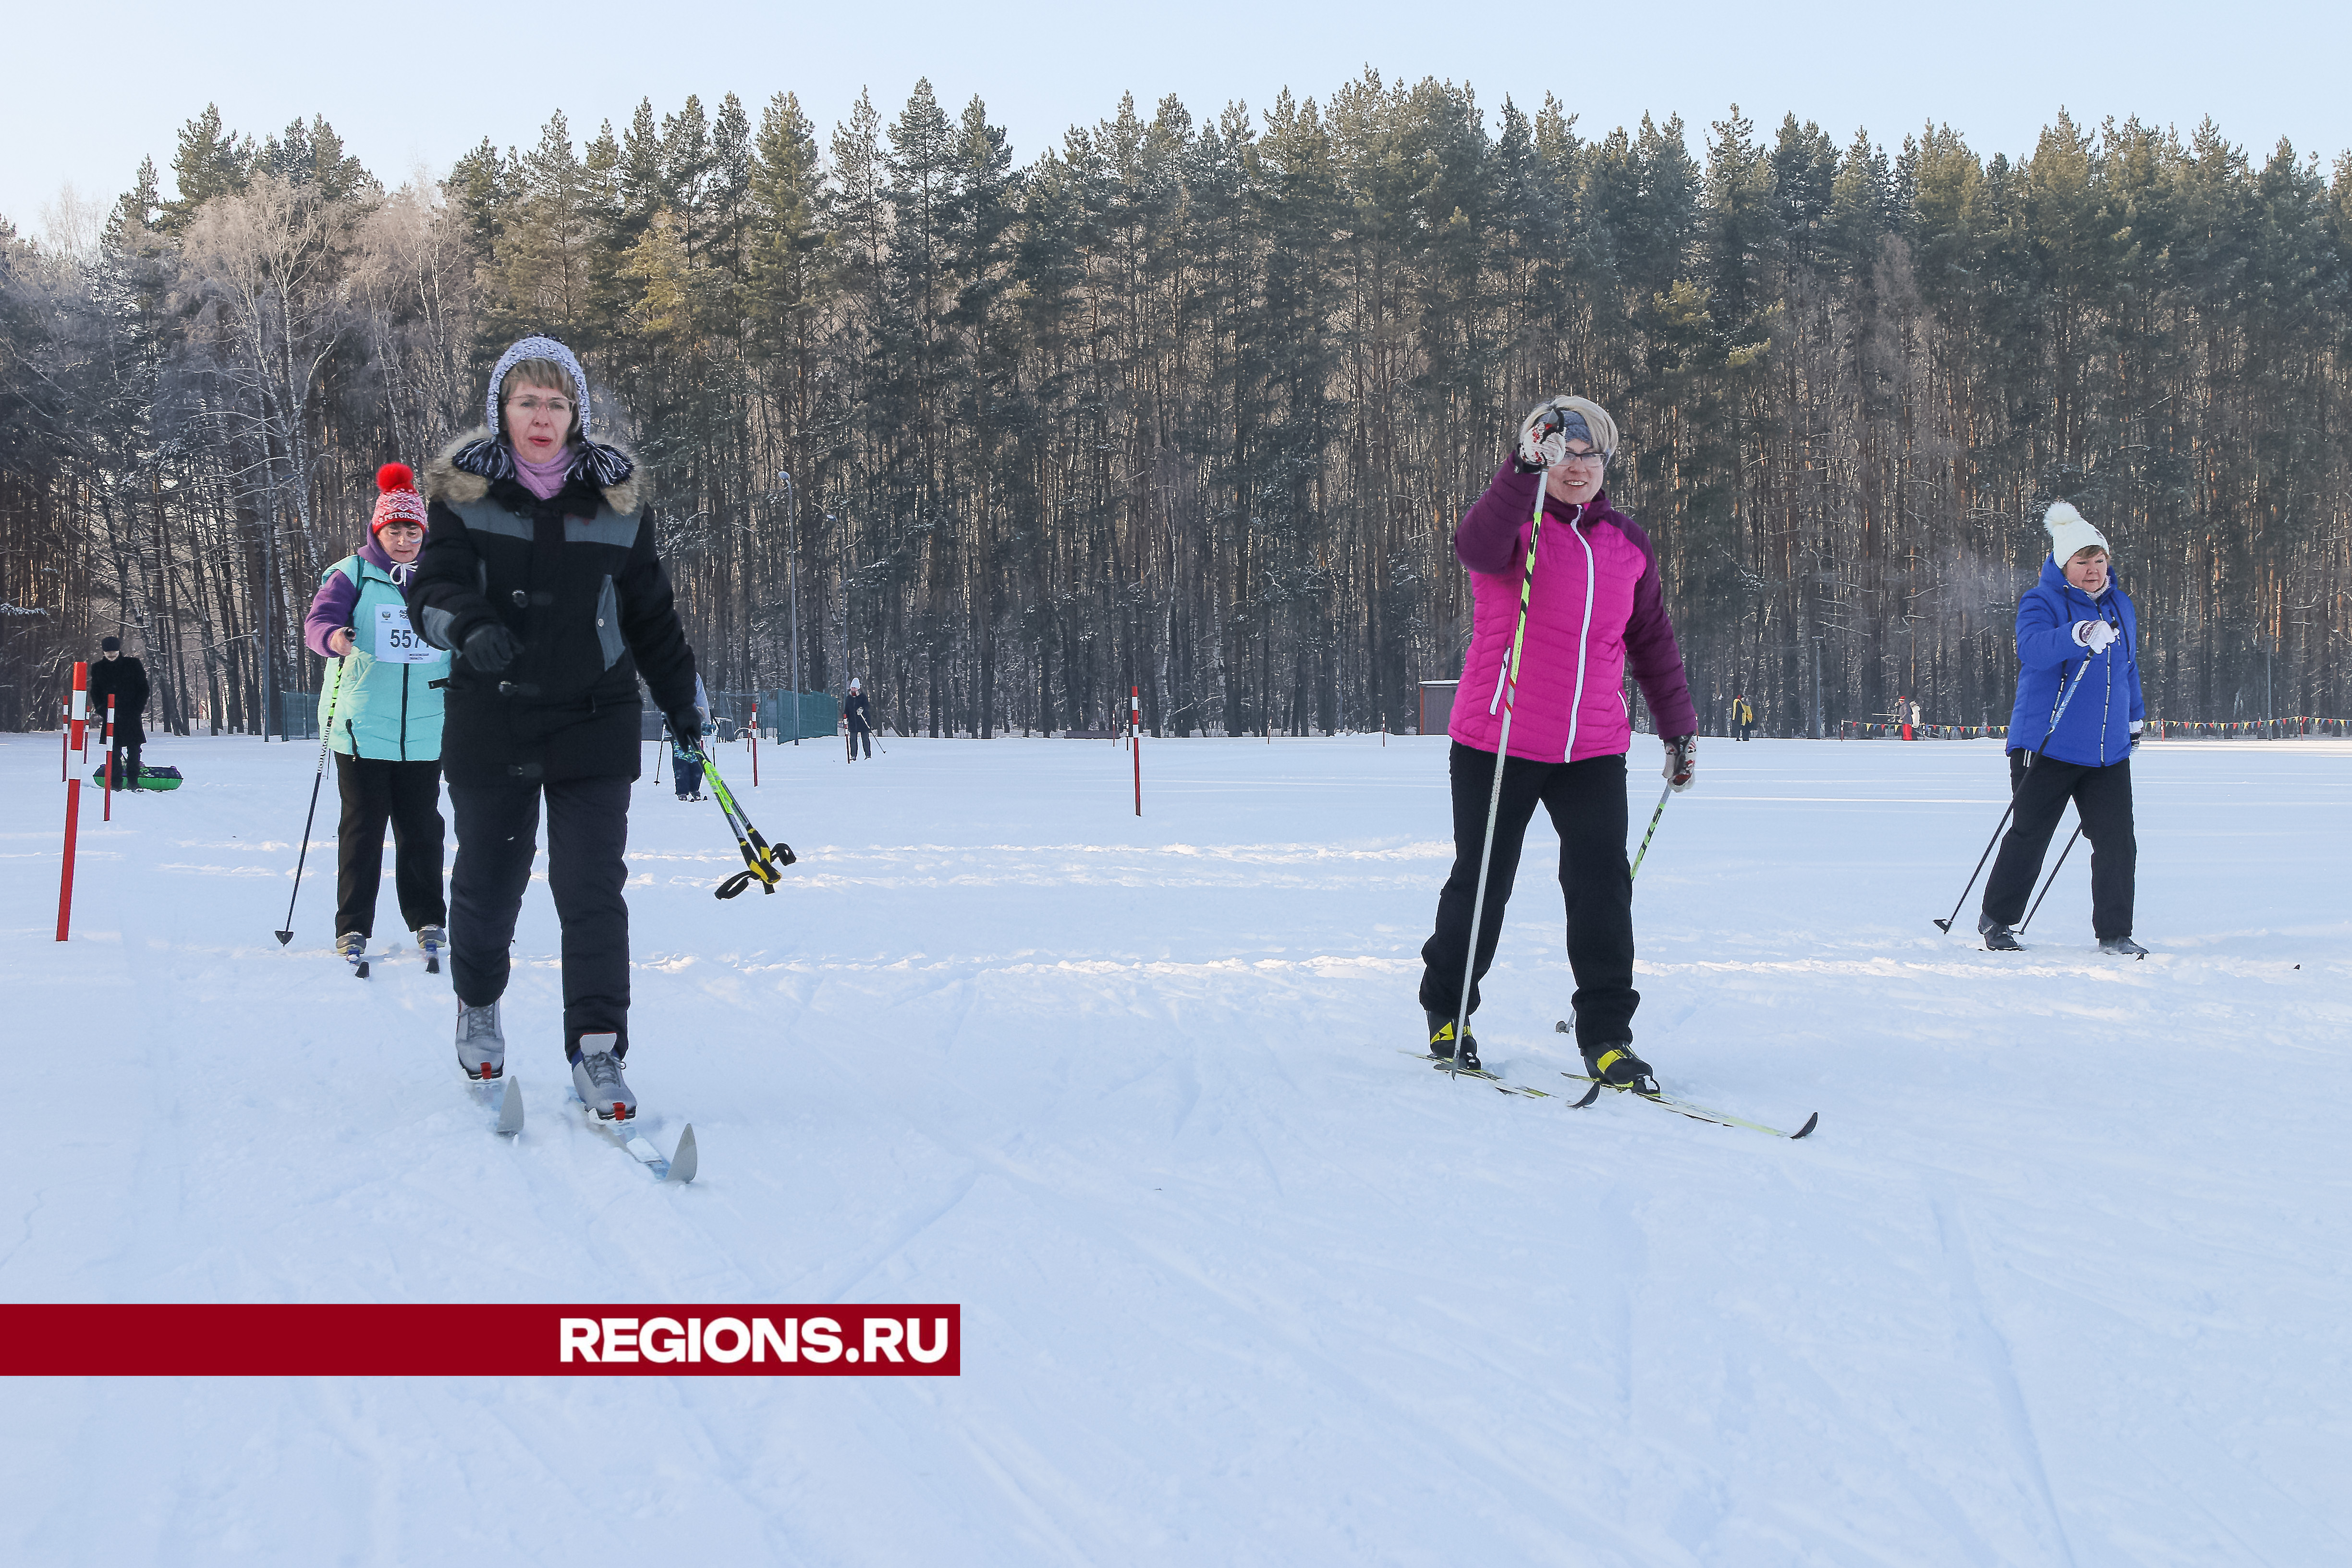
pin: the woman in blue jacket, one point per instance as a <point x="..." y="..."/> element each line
<point x="382" y="712"/>
<point x="2071" y="737"/>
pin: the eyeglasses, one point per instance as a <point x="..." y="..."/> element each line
<point x="1583" y="459"/>
<point x="534" y="405"/>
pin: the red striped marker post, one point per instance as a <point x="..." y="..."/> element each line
<point x="78" y="735"/>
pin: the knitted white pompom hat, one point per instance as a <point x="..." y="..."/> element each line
<point x="2069" y="534"/>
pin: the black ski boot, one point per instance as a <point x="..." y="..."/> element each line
<point x="1614" y="1063"/>
<point x="1999" y="938"/>
<point x="1441" y="1043"/>
<point x="2122" y="948"/>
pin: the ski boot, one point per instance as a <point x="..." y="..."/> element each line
<point x="1441" y="1043"/>
<point x="1613" y="1062"/>
<point x="351" y="948"/>
<point x="481" y="1045"/>
<point x="2122" y="948"/>
<point x="1997" y="938"/>
<point x="597" y="1079"/>
<point x="431" y="939"/>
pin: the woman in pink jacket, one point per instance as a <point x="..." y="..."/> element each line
<point x="1594" y="607"/>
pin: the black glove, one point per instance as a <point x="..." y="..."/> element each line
<point x="491" y="648"/>
<point x="1682" y="761"/>
<point x="685" y="732"/>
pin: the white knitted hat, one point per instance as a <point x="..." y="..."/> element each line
<point x="2069" y="534"/>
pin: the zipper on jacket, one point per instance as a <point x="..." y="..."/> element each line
<point x="2107" y="699"/>
<point x="1584" y="641"/>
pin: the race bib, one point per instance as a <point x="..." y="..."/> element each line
<point x="396" y="642"/>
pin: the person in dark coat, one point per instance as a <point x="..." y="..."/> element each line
<point x="858" y="714"/>
<point x="2078" y="719"/>
<point x="538" y="573"/>
<point x="123" y="678"/>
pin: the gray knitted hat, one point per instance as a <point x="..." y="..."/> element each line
<point x="491" y="459"/>
<point x="536" y="348"/>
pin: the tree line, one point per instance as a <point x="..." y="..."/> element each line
<point x="1191" y="405"/>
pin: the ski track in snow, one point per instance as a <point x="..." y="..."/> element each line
<point x="2060" y="1280"/>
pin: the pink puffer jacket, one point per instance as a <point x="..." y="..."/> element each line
<point x="1597" y="604"/>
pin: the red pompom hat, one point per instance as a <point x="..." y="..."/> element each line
<point x="399" y="503"/>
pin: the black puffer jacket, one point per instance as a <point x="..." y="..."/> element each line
<point x="576" y="579"/>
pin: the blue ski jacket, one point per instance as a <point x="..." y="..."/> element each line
<point x="2095" y="729"/>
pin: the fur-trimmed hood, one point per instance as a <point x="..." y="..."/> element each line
<point x="450" y="484"/>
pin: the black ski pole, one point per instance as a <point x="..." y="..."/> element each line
<point x="326" y="740"/>
<point x="2055" y="715"/>
<point x="1945" y="925"/>
<point x="2054" y="875"/>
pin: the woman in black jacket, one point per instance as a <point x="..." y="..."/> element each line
<point x="538" y="573"/>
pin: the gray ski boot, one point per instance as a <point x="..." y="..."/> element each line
<point x="2122" y="948"/>
<point x="481" y="1045"/>
<point x="430" y="940"/>
<point x="597" y="1079"/>
<point x="1997" y="938"/>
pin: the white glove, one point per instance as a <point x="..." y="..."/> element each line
<point x="1682" y="762"/>
<point x="2093" y="634"/>
<point x="1542" y="444"/>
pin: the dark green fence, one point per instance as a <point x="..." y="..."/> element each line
<point x="783" y="716"/>
<point x="298" y="716"/>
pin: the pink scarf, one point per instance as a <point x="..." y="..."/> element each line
<point x="544" y="480"/>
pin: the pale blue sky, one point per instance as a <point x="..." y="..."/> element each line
<point x="94" y="88"/>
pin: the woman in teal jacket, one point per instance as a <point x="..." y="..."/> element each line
<point x="381" y="710"/>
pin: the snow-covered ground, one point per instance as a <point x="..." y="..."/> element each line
<point x="2061" y="1278"/>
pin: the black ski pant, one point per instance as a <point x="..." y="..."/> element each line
<point x="375" y="790"/>
<point x="124" y="755"/>
<point x="1587" y="802"/>
<point x="2102" y="798"/>
<point x="587" y="834"/>
<point x="859" y="732"/>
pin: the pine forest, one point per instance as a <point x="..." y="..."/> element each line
<point x="1191" y="405"/>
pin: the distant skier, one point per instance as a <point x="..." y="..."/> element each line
<point x="1743" y="717"/>
<point x="1594" y="605"/>
<point x="686" y="757"/>
<point x="540" y="571"/>
<point x="2078" y="684"/>
<point x="858" y="714"/>
<point x="124" y="679"/>
<point x="383" y="718"/>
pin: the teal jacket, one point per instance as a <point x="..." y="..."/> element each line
<point x="385" y="706"/>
